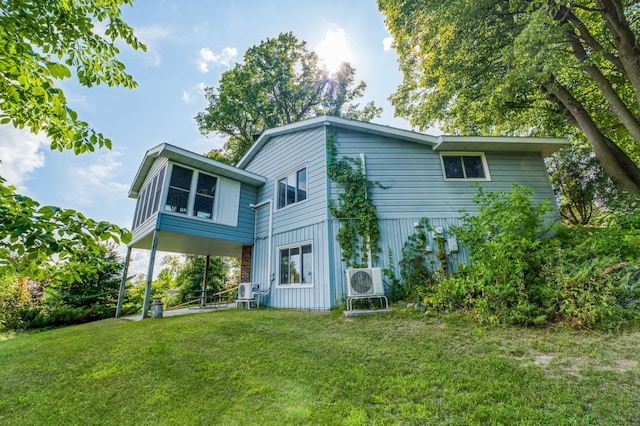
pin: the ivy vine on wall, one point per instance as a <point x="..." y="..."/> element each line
<point x="359" y="234"/>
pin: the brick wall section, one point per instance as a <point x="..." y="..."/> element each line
<point x="245" y="264"/>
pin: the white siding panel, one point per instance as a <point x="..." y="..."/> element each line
<point x="228" y="202"/>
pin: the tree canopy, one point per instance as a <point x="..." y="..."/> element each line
<point x="527" y="68"/>
<point x="42" y="41"/>
<point x="279" y="82"/>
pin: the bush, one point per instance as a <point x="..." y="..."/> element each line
<point x="524" y="273"/>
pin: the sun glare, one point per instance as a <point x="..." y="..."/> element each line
<point x="333" y="49"/>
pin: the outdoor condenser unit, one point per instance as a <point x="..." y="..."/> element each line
<point x="245" y="291"/>
<point x="364" y="282"/>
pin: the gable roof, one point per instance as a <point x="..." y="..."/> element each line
<point x="191" y="159"/>
<point x="546" y="146"/>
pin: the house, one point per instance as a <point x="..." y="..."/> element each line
<point x="272" y="210"/>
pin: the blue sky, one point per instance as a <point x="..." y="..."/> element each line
<point x="190" y="44"/>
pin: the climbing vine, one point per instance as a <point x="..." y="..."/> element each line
<point x="359" y="233"/>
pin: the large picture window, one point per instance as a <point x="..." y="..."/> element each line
<point x="186" y="182"/>
<point x="464" y="166"/>
<point x="296" y="264"/>
<point x="292" y="188"/>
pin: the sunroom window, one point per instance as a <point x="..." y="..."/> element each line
<point x="179" y="186"/>
<point x="292" y="188"/>
<point x="191" y="192"/>
<point x="296" y="264"/>
<point x="205" y="191"/>
<point x="465" y="166"/>
<point x="148" y="199"/>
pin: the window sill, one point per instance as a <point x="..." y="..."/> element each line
<point x="292" y="286"/>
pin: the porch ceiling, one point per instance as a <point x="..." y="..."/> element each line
<point x="189" y="244"/>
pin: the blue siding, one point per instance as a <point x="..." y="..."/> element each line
<point x="414" y="188"/>
<point x="304" y="221"/>
<point x="205" y="228"/>
<point x="315" y="298"/>
<point x="415" y="185"/>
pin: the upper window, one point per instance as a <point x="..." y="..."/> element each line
<point x="465" y="166"/>
<point x="296" y="264"/>
<point x="148" y="199"/>
<point x="191" y="192"/>
<point x="292" y="188"/>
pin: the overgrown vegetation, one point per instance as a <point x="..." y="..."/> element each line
<point x="275" y="367"/>
<point x="523" y="272"/>
<point x="359" y="234"/>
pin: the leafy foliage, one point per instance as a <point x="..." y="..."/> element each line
<point x="26" y="303"/>
<point x="524" y="67"/>
<point x="280" y="82"/>
<point x="35" y="239"/>
<point x="523" y="274"/>
<point x="581" y="185"/>
<point x="43" y="41"/>
<point x="359" y="232"/>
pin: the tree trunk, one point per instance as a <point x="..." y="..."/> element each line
<point x="616" y="105"/>
<point x="624" y="173"/>
<point x="612" y="11"/>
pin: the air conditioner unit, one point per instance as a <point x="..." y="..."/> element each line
<point x="364" y="282"/>
<point x="245" y="291"/>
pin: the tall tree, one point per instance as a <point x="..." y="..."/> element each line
<point x="279" y="82"/>
<point x="525" y="67"/>
<point x="41" y="42"/>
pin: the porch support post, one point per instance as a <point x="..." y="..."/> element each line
<point x="152" y="260"/>
<point x="123" y="283"/>
<point x="205" y="280"/>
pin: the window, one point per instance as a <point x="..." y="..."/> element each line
<point x="464" y="166"/>
<point x="191" y="192"/>
<point x="296" y="265"/>
<point x="205" y="191"/>
<point x="179" y="186"/>
<point x="292" y="188"/>
<point x="148" y="199"/>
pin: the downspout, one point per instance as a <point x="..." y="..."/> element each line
<point x="255" y="208"/>
<point x="364" y="173"/>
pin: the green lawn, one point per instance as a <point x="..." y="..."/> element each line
<point x="287" y="367"/>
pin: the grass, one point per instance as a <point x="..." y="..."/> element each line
<point x="287" y="367"/>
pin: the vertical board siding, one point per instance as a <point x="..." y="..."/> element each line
<point x="394" y="233"/>
<point x="314" y="298"/>
<point x="228" y="201"/>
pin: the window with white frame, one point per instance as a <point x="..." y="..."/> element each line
<point x="191" y="192"/>
<point x="292" y="188"/>
<point x="464" y="166"/>
<point x="296" y="264"/>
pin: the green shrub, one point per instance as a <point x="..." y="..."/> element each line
<point x="523" y="273"/>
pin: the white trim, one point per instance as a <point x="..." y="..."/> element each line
<point x="485" y="166"/>
<point x="275" y="187"/>
<point x="293" y="245"/>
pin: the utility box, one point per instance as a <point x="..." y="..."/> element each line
<point x="156" y="308"/>
<point x="453" y="245"/>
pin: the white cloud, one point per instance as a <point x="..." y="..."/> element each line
<point x="95" y="184"/>
<point x="387" y="43"/>
<point x="225" y="58"/>
<point x="150" y="36"/>
<point x="20" y="154"/>
<point x="193" y="93"/>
